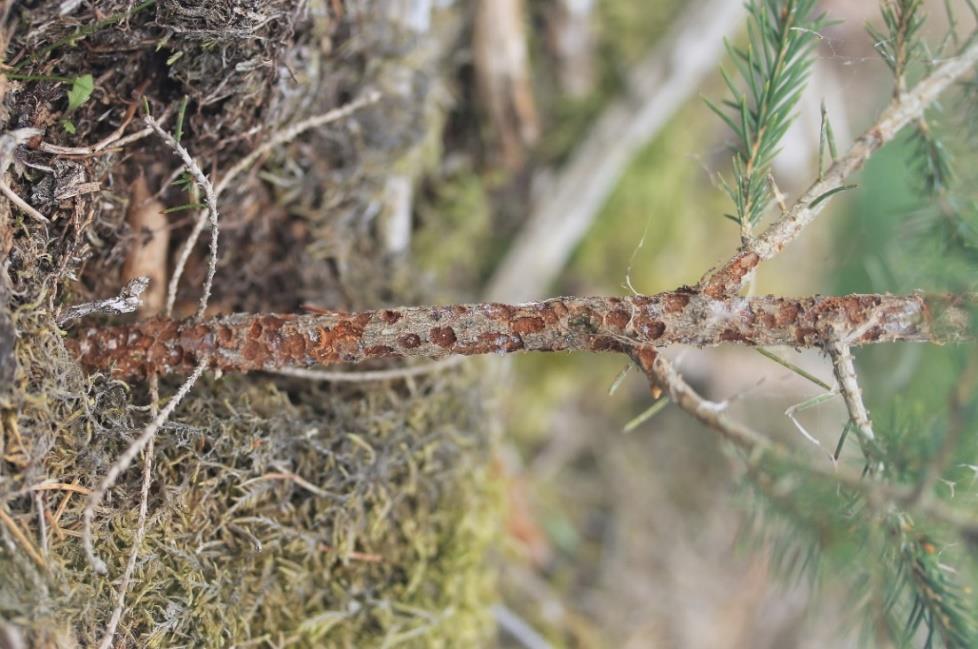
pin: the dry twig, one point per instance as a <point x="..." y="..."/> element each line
<point x="115" y="137"/>
<point x="290" y="133"/>
<point x="845" y="374"/>
<point x="9" y="142"/>
<point x="123" y="461"/>
<point x="21" y="537"/>
<point x="758" y="447"/>
<point x="284" y="136"/>
<point x="127" y="301"/>
<point x="137" y="541"/>
<point x="210" y="197"/>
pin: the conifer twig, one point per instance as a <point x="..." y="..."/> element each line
<point x="774" y="67"/>
<point x="250" y="342"/>
<point x="661" y="372"/>
<point x="734" y="274"/>
<point x="852" y="395"/>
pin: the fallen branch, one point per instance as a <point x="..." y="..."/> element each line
<point x="249" y="342"/>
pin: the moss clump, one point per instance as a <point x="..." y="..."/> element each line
<point x="315" y="515"/>
<point x="281" y="512"/>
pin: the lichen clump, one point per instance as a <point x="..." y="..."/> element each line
<point x="280" y="512"/>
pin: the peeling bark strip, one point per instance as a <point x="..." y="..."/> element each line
<point x="244" y="342"/>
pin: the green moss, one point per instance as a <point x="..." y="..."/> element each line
<point x="357" y="518"/>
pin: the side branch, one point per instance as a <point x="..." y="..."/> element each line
<point x="246" y="342"/>
<point x="881" y="496"/>
<point x="907" y="107"/>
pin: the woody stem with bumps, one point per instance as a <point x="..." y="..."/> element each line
<point x="251" y="342"/>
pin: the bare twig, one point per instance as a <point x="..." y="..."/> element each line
<point x="113" y="138"/>
<point x="21" y="537"/>
<point x="127" y="301"/>
<point x="657" y="87"/>
<point x="736" y="272"/>
<point x="9" y="142"/>
<point x="60" y="486"/>
<point x="758" y="447"/>
<point x="245" y="342"/>
<point x="293" y="477"/>
<point x="289" y="134"/>
<point x="210" y="198"/>
<point x="137" y="541"/>
<point x="123" y="461"/>
<point x="286" y="135"/>
<point x="21" y="203"/>
<point x="42" y="526"/>
<point x="845" y="374"/>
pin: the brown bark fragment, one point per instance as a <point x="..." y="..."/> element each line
<point x="390" y="317"/>
<point x="787" y="314"/>
<point x="527" y="325"/>
<point x="618" y="319"/>
<point x="731" y="336"/>
<point x="442" y="336"/>
<point x="675" y="302"/>
<point x="652" y="330"/>
<point x="730" y="277"/>
<point x="294" y="346"/>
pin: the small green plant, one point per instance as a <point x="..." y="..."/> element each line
<point x="80" y="92"/>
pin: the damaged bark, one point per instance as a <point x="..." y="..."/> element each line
<point x="250" y="342"/>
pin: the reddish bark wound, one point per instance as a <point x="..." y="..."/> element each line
<point x="442" y="336"/>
